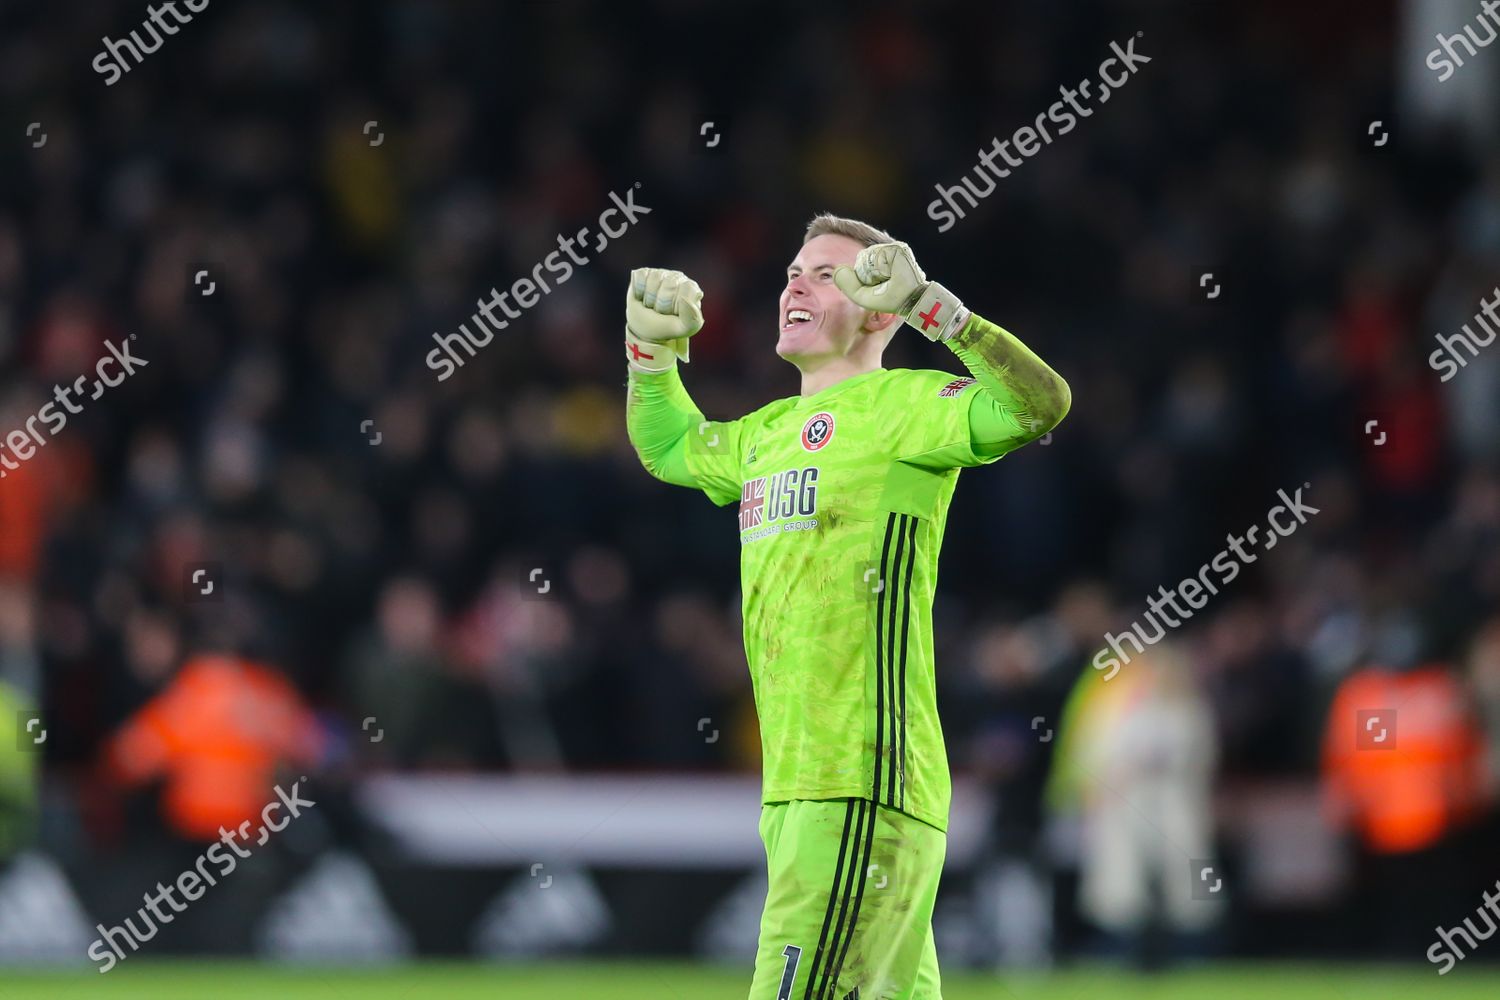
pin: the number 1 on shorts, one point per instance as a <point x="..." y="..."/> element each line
<point x="793" y="956"/>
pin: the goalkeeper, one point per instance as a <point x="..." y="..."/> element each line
<point x="842" y="495"/>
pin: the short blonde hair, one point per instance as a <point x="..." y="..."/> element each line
<point x="863" y="233"/>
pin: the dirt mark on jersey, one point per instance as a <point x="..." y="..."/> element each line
<point x="1027" y="379"/>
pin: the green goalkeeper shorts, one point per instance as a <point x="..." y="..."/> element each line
<point x="849" y="907"/>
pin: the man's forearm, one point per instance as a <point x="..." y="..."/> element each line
<point x="1012" y="375"/>
<point x="659" y="414"/>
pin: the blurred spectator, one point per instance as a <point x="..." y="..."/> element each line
<point x="394" y="676"/>
<point x="1020" y="676"/>
<point x="1484" y="679"/>
<point x="1261" y="692"/>
<point x="18" y="772"/>
<point x="216" y="741"/>
<point x="1403" y="772"/>
<point x="1136" y="758"/>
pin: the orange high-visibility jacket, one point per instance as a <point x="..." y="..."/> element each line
<point x="216" y="734"/>
<point x="1402" y="758"/>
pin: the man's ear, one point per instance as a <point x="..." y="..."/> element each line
<point x="877" y="322"/>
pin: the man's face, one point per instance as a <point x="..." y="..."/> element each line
<point x="827" y="323"/>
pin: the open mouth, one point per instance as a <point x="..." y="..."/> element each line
<point x="795" y="317"/>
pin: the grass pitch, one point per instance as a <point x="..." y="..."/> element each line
<point x="148" y="979"/>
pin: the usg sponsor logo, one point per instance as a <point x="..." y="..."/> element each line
<point x="790" y="493"/>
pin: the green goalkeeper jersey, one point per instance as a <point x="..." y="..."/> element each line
<point x="840" y="499"/>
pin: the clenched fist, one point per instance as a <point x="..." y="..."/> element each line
<point x="885" y="277"/>
<point x="662" y="310"/>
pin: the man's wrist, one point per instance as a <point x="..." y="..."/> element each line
<point x="965" y="330"/>
<point x="960" y="321"/>
<point x="938" y="314"/>
<point x="649" y="357"/>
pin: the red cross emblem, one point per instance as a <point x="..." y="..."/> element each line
<point x="929" y="318"/>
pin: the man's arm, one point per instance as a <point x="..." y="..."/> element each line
<point x="659" y="416"/>
<point x="673" y="441"/>
<point x="1023" y="397"/>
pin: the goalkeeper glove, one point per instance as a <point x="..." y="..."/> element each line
<point x="885" y="277"/>
<point x="662" y="310"/>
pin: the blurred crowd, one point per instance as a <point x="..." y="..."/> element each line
<point x="376" y="538"/>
